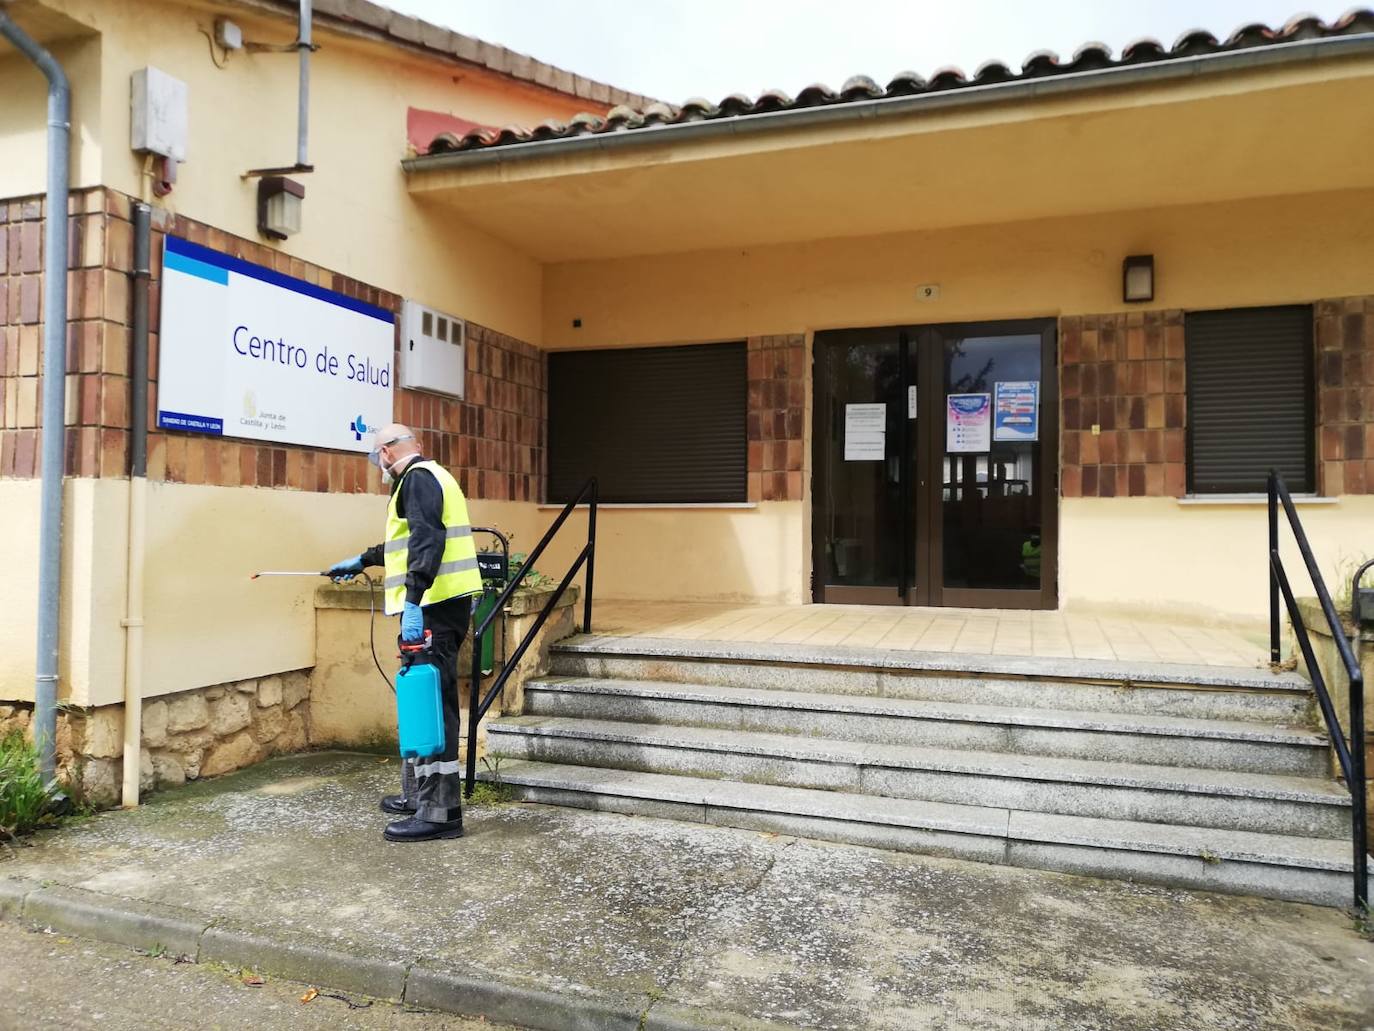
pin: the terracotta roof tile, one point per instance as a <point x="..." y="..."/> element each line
<point x="993" y="71"/>
<point x="860" y="87"/>
<point x="1143" y="50"/>
<point x="948" y="77"/>
<point x="374" y="20"/>
<point x="1041" y="62"/>
<point x="1091" y="56"/>
<point x="1194" y="42"/>
<point x="905" y="83"/>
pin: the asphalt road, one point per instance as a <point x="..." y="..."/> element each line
<point x="53" y="981"/>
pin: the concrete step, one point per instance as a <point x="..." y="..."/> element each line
<point x="1130" y="738"/>
<point x="1296" y="868"/>
<point x="1156" y="740"/>
<point x="1271" y="804"/>
<point x="1076" y="685"/>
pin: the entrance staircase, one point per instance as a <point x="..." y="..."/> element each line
<point x="1198" y="777"/>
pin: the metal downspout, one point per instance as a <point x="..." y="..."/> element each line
<point x="53" y="439"/>
<point x="303" y="47"/>
<point x="138" y="494"/>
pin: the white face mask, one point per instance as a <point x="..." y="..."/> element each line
<point x="387" y="478"/>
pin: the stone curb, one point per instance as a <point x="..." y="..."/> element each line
<point x="523" y="1007"/>
<point x="137" y="924"/>
<point x="300" y="961"/>
<point x="152" y="927"/>
<point x="13" y="891"/>
<point x="676" y="1018"/>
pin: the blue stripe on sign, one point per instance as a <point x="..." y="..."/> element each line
<point x="192" y="267"/>
<point x="186" y="249"/>
<point x="193" y="423"/>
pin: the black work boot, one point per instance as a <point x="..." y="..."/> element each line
<point x="397" y="804"/>
<point x="416" y="829"/>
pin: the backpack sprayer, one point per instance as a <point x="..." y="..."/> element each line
<point x="419" y="702"/>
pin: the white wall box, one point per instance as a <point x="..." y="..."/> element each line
<point x="158" y="109"/>
<point x="433" y="350"/>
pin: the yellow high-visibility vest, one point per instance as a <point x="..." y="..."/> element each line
<point x="458" y="574"/>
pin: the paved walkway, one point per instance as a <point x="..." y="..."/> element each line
<point x="564" y="919"/>
<point x="52" y="980"/>
<point x="973" y="631"/>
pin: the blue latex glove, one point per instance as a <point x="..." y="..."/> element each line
<point x="348" y="567"/>
<point x="412" y="623"/>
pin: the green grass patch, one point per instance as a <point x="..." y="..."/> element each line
<point x="25" y="801"/>
<point x="1363" y="918"/>
<point x="484" y="793"/>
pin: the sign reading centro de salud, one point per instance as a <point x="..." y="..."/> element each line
<point x="248" y="352"/>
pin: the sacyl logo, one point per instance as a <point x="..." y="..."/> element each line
<point x="359" y="427"/>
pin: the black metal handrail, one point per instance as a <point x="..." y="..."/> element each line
<point x="477" y="707"/>
<point x="1351" y="758"/>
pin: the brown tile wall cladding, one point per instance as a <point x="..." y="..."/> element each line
<point x="1345" y="395"/>
<point x="1125" y="374"/>
<point x="776" y="417"/>
<point x="494" y="441"/>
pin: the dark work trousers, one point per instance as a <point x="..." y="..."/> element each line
<point x="435" y="783"/>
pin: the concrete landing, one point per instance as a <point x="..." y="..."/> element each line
<point x="564" y="919"/>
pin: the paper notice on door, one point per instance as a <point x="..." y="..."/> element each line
<point x="865" y="432"/>
<point x="1016" y="414"/>
<point x="911" y="401"/>
<point x="865" y="447"/>
<point x="968" y="423"/>
<point x="865" y="419"/>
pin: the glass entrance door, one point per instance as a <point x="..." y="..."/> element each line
<point x="935" y="465"/>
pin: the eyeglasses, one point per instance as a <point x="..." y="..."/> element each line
<point x="375" y="455"/>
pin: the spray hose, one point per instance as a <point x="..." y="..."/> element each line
<point x="372" y="626"/>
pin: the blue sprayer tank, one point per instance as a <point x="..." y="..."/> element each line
<point x="419" y="711"/>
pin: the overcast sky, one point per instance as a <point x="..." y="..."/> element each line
<point x="675" y="49"/>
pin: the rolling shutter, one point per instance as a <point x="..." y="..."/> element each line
<point x="1249" y="399"/>
<point x="654" y="425"/>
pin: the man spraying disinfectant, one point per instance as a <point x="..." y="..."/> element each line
<point x="430" y="562"/>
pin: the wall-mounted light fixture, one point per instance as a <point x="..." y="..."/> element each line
<point x="279" y="206"/>
<point x="1138" y="278"/>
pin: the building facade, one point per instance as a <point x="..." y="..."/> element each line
<point x="1027" y="339"/>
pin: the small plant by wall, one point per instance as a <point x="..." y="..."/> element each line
<point x="26" y="802"/>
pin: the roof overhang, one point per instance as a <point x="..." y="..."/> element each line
<point x="1288" y="118"/>
<point x="43" y="25"/>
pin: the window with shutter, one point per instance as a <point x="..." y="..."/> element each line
<point x="1250" y="404"/>
<point x="654" y="425"/>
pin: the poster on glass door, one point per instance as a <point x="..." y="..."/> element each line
<point x="1016" y="415"/>
<point x="968" y="423"/>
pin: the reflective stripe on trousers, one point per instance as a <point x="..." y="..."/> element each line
<point x="430" y="769"/>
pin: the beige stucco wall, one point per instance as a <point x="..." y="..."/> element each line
<point x="349" y="704"/>
<point x="19" y="598"/>
<point x="24" y="121"/>
<point x="1204" y="561"/>
<point x="1281" y="250"/>
<point x="754" y="553"/>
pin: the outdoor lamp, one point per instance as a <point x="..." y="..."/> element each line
<point x="279" y="206"/>
<point x="1138" y="278"/>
